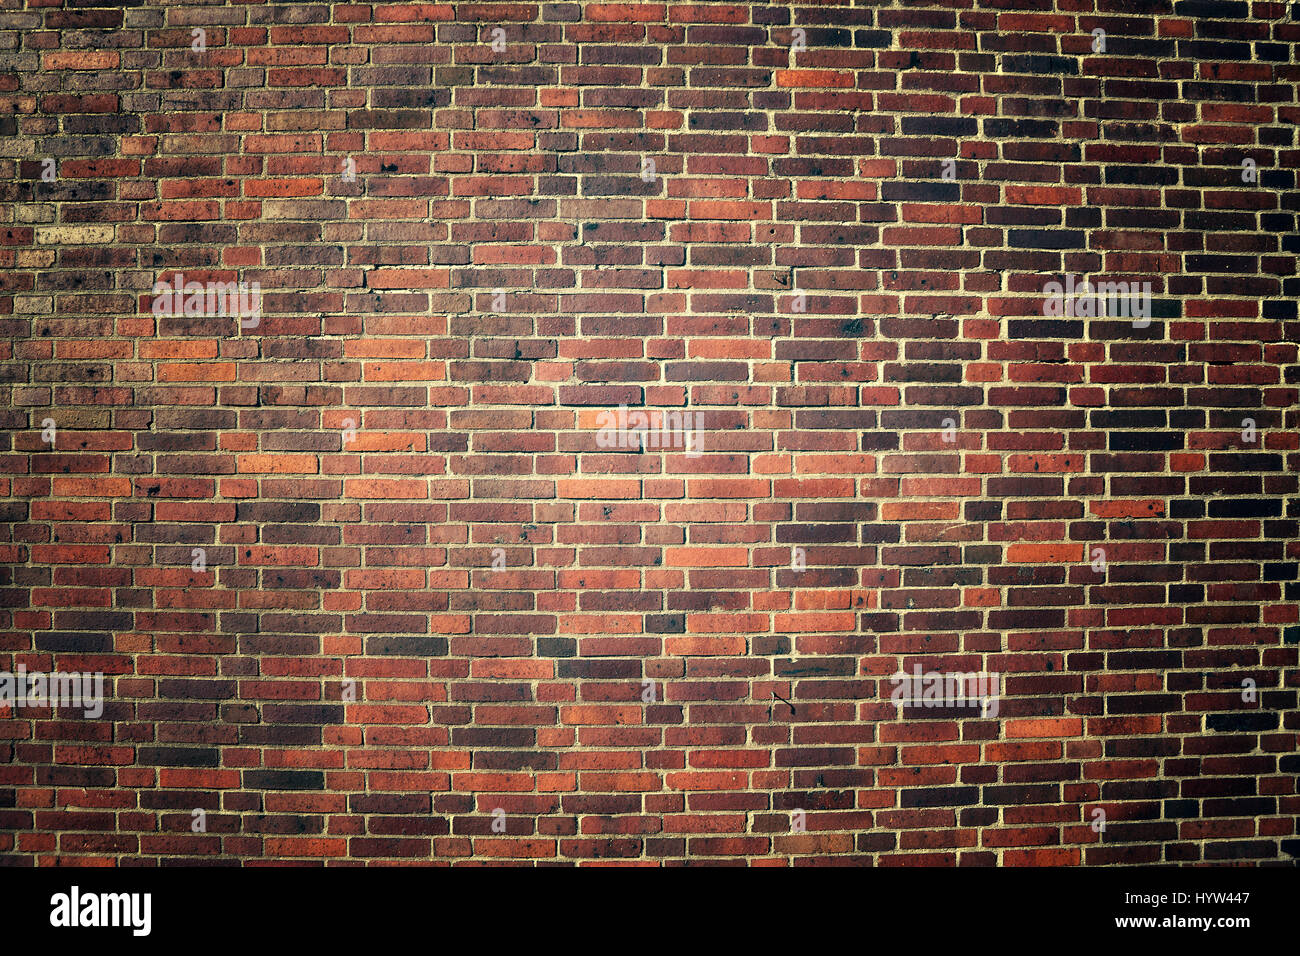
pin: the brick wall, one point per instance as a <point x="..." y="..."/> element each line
<point x="393" y="543"/>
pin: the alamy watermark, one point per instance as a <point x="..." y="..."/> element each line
<point x="637" y="429"/>
<point x="56" y="689"/>
<point x="948" y="689"/>
<point x="243" y="299"/>
<point x="77" y="909"/>
<point x="1084" y="300"/>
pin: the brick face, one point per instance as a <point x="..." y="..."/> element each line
<point x="572" y="421"/>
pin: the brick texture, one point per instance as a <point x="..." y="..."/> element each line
<point x="366" y="581"/>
